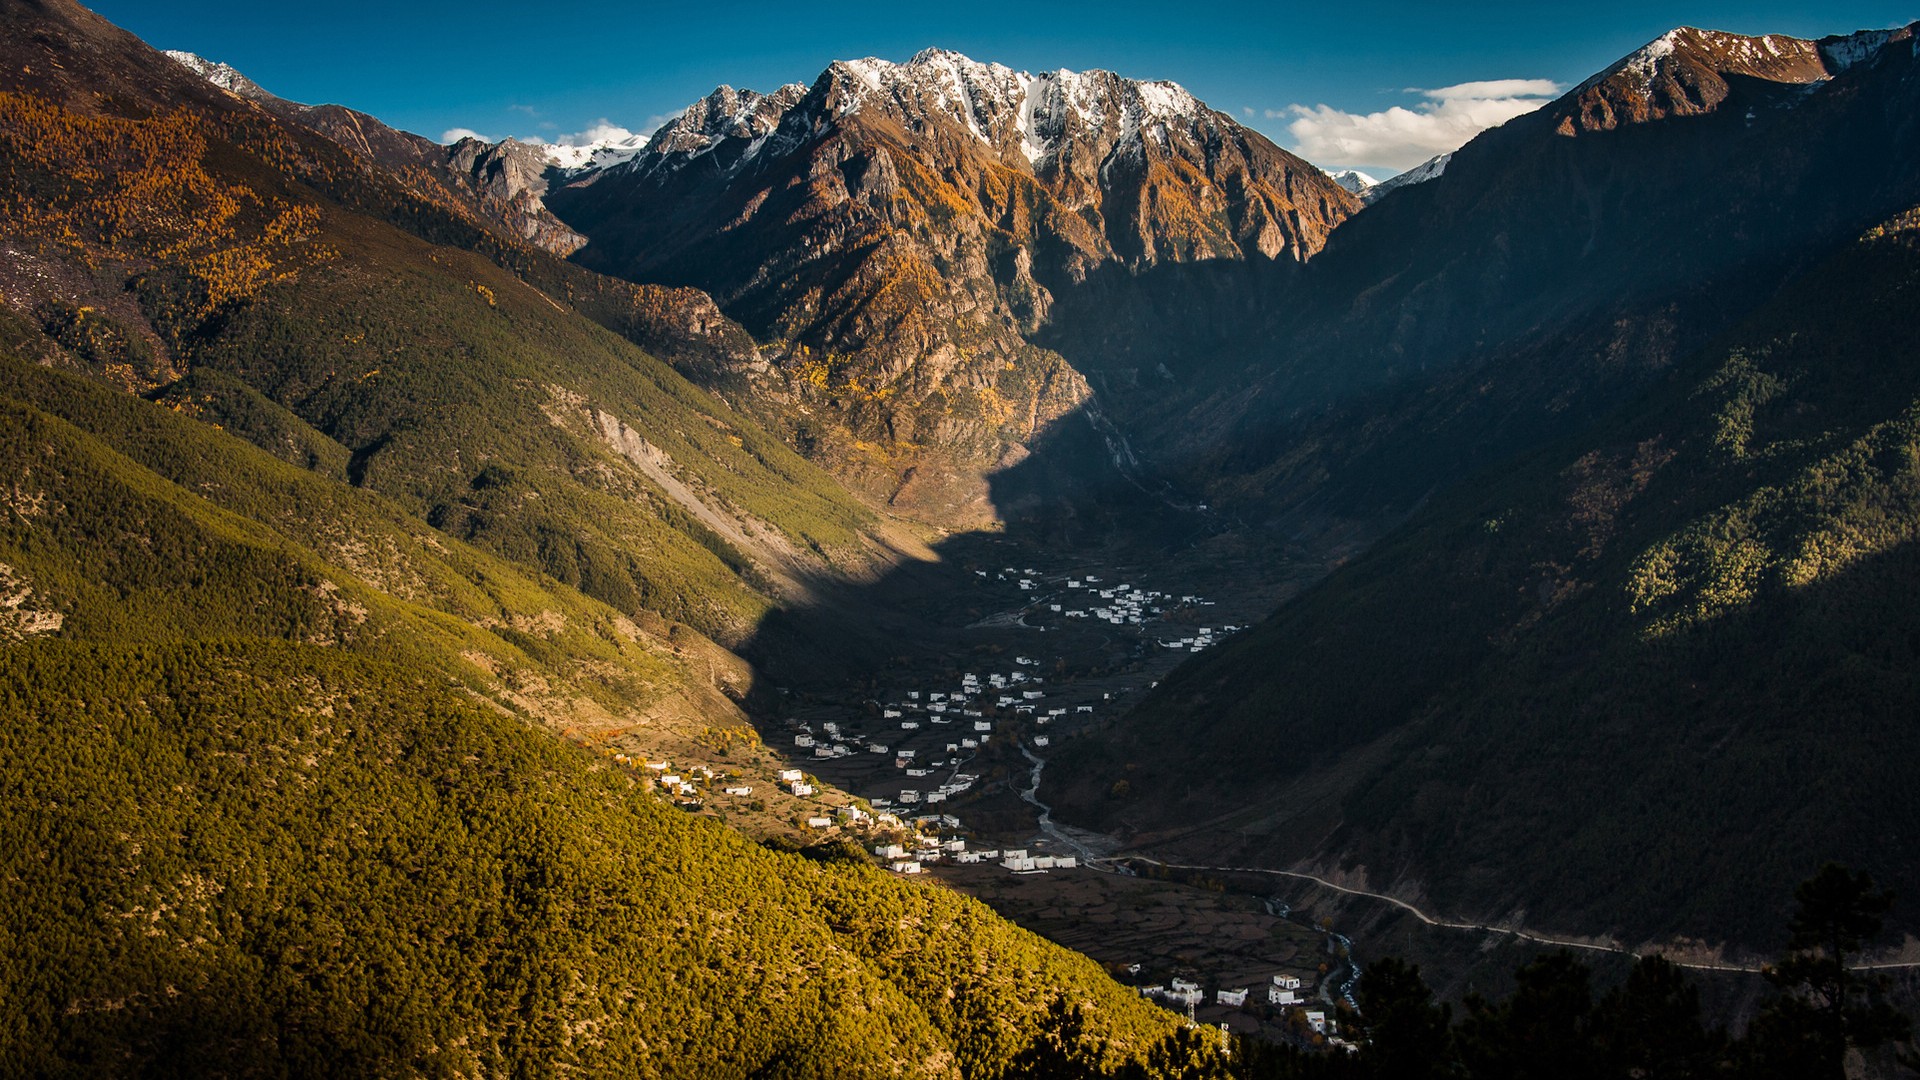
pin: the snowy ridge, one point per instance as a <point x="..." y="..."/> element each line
<point x="1034" y="115"/>
<point x="224" y="76"/>
<point x="598" y="154"/>
<point x="1429" y="169"/>
<point x="1841" y="53"/>
<point x="1354" y="181"/>
<point x="706" y="125"/>
<point x="1770" y="55"/>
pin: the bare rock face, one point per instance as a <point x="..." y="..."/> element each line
<point x="897" y="231"/>
<point x="514" y="176"/>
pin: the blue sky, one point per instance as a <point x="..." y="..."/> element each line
<point x="562" y="66"/>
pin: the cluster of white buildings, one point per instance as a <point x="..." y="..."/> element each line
<point x="924" y="850"/>
<point x="1284" y="993"/>
<point x="1018" y="861"/>
<point x="1120" y="604"/>
<point x="684" y="785"/>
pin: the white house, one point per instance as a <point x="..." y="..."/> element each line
<point x="819" y="822"/>
<point x="1317" y="1021"/>
<point x="743" y="790"/>
<point x="906" y="866"/>
<point x="1287" y="982"/>
<point x="787" y="776"/>
<point x="1232" y="998"/>
<point x="1277" y="996"/>
<point x="802" y="788"/>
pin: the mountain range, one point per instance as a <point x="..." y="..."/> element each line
<point x="375" y="506"/>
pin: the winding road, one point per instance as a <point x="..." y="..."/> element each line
<point x="1112" y="864"/>
<point x="1510" y="931"/>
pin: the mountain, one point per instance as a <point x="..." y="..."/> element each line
<point x="1687" y="72"/>
<point x="1639" y="644"/>
<point x="899" y="231"/>
<point x="502" y="183"/>
<point x="1355" y="183"/>
<point x="347" y="564"/>
<point x="1543" y="279"/>
<point x="1419" y="174"/>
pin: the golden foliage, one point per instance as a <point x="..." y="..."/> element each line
<point x="140" y="189"/>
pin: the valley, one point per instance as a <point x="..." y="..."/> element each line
<point x="954" y="571"/>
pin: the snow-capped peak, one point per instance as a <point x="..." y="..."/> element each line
<point x="1770" y="56"/>
<point x="1429" y="169"/>
<point x="224" y="76"/>
<point x="999" y="105"/>
<point x="598" y="147"/>
<point x="1354" y="181"/>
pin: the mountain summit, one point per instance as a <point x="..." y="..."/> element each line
<point x="902" y="230"/>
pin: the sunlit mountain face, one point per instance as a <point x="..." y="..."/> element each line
<point x="978" y="566"/>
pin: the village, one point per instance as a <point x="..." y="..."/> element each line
<point x="950" y="754"/>
<point x="934" y="768"/>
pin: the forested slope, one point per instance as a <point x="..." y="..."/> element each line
<point x="321" y="497"/>
<point x="1627" y="684"/>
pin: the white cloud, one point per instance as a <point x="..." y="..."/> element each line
<point x="601" y="130"/>
<point x="454" y="135"/>
<point x="1494" y="88"/>
<point x="604" y="132"/>
<point x="1400" y="137"/>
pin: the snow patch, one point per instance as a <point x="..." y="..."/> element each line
<point x="1845" y="52"/>
<point x="1430" y="169"/>
<point x="1354" y="181"/>
<point x="224" y="76"/>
